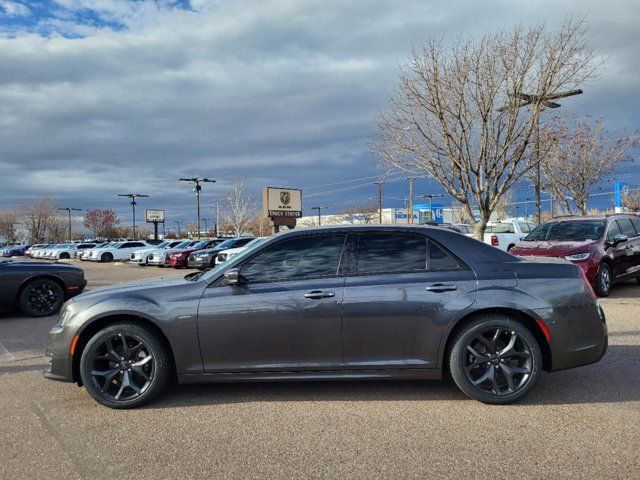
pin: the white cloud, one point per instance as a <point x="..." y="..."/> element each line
<point x="15" y="9"/>
<point x="270" y="91"/>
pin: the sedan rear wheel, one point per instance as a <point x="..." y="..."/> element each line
<point x="495" y="359"/>
<point x="106" y="257"/>
<point x="125" y="365"/>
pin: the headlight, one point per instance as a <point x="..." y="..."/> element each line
<point x="578" y="256"/>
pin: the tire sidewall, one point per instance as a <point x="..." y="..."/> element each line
<point x="599" y="288"/>
<point x="24" y="301"/>
<point x="456" y="358"/>
<point x="106" y="257"/>
<point x="158" y="350"/>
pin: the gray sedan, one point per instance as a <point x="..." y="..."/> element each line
<point x="356" y="302"/>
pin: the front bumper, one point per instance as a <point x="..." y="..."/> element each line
<point x="59" y="361"/>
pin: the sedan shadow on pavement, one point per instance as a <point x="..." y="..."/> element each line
<point x="614" y="379"/>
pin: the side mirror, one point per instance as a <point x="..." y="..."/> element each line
<point x="619" y="238"/>
<point x="233" y="276"/>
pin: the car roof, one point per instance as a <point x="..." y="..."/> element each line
<point x="602" y="218"/>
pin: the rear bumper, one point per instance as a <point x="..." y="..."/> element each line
<point x="579" y="337"/>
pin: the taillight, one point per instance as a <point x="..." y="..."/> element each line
<point x="588" y="285"/>
<point x="494" y="241"/>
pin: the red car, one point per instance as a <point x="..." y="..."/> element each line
<point x="179" y="258"/>
<point x="607" y="248"/>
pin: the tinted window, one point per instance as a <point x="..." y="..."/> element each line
<point x="626" y="227"/>
<point x="571" y="230"/>
<point x="439" y="259"/>
<point x="296" y="259"/>
<point x="612" y="231"/>
<point x="391" y="253"/>
<point x="636" y="224"/>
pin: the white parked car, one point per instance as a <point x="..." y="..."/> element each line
<point x="465" y="229"/>
<point x="116" y="251"/>
<point x="225" y="255"/>
<point x="141" y="257"/>
<point x="34" y="248"/>
<point x="86" y="254"/>
<point x="507" y="233"/>
<point x="69" y="250"/>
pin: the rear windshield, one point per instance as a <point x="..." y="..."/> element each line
<point x="573" y="230"/>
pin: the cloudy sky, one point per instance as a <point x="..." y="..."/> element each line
<point x="100" y="97"/>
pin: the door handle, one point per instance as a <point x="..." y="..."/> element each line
<point x="316" y="294"/>
<point x="440" y="287"/>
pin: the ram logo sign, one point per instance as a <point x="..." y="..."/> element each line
<point x="282" y="202"/>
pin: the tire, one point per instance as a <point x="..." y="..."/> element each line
<point x="106" y="257"/>
<point x="65" y="256"/>
<point x="41" y="298"/>
<point x="498" y="374"/>
<point x="123" y="378"/>
<point x="603" y="280"/>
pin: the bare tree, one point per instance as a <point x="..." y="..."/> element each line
<point x="455" y="114"/>
<point x="8" y="222"/>
<point x="580" y="155"/>
<point x="37" y="216"/>
<point x="503" y="207"/>
<point x="631" y="200"/>
<point x="58" y="229"/>
<point x="239" y="208"/>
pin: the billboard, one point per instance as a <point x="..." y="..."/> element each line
<point x="282" y="202"/>
<point x="154" y="216"/>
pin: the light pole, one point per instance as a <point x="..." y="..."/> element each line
<point x="205" y="220"/>
<point x="198" y="188"/>
<point x="178" y="222"/>
<point x="431" y="196"/>
<point x="133" y="197"/>
<point x="318" y="208"/>
<point x="525" y="99"/>
<point x="69" y="210"/>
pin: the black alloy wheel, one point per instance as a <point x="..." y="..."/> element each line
<point x="604" y="280"/>
<point x="125" y="365"/>
<point x="65" y="256"/>
<point x="106" y="257"/>
<point x="495" y="359"/>
<point x="41" y="298"/>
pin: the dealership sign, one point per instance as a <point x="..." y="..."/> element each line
<point x="154" y="216"/>
<point x="282" y="202"/>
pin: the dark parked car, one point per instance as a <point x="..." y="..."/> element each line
<point x="206" y="258"/>
<point x="38" y="288"/>
<point x="359" y="302"/>
<point x="606" y="248"/>
<point x="15" y="251"/>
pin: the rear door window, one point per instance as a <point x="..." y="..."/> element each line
<point x="382" y="253"/>
<point x="439" y="259"/>
<point x="636" y="224"/>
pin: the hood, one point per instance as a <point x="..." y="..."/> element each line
<point x="552" y="248"/>
<point x="132" y="287"/>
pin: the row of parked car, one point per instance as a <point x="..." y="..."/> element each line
<point x="200" y="254"/>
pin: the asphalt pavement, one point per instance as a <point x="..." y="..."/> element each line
<point x="577" y="424"/>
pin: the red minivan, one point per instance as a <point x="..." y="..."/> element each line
<point x="607" y="247"/>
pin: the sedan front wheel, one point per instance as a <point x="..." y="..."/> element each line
<point x="495" y="359"/>
<point x="125" y="365"/>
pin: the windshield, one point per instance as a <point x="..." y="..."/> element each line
<point x="200" y="245"/>
<point x="227" y="244"/>
<point x="573" y="230"/>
